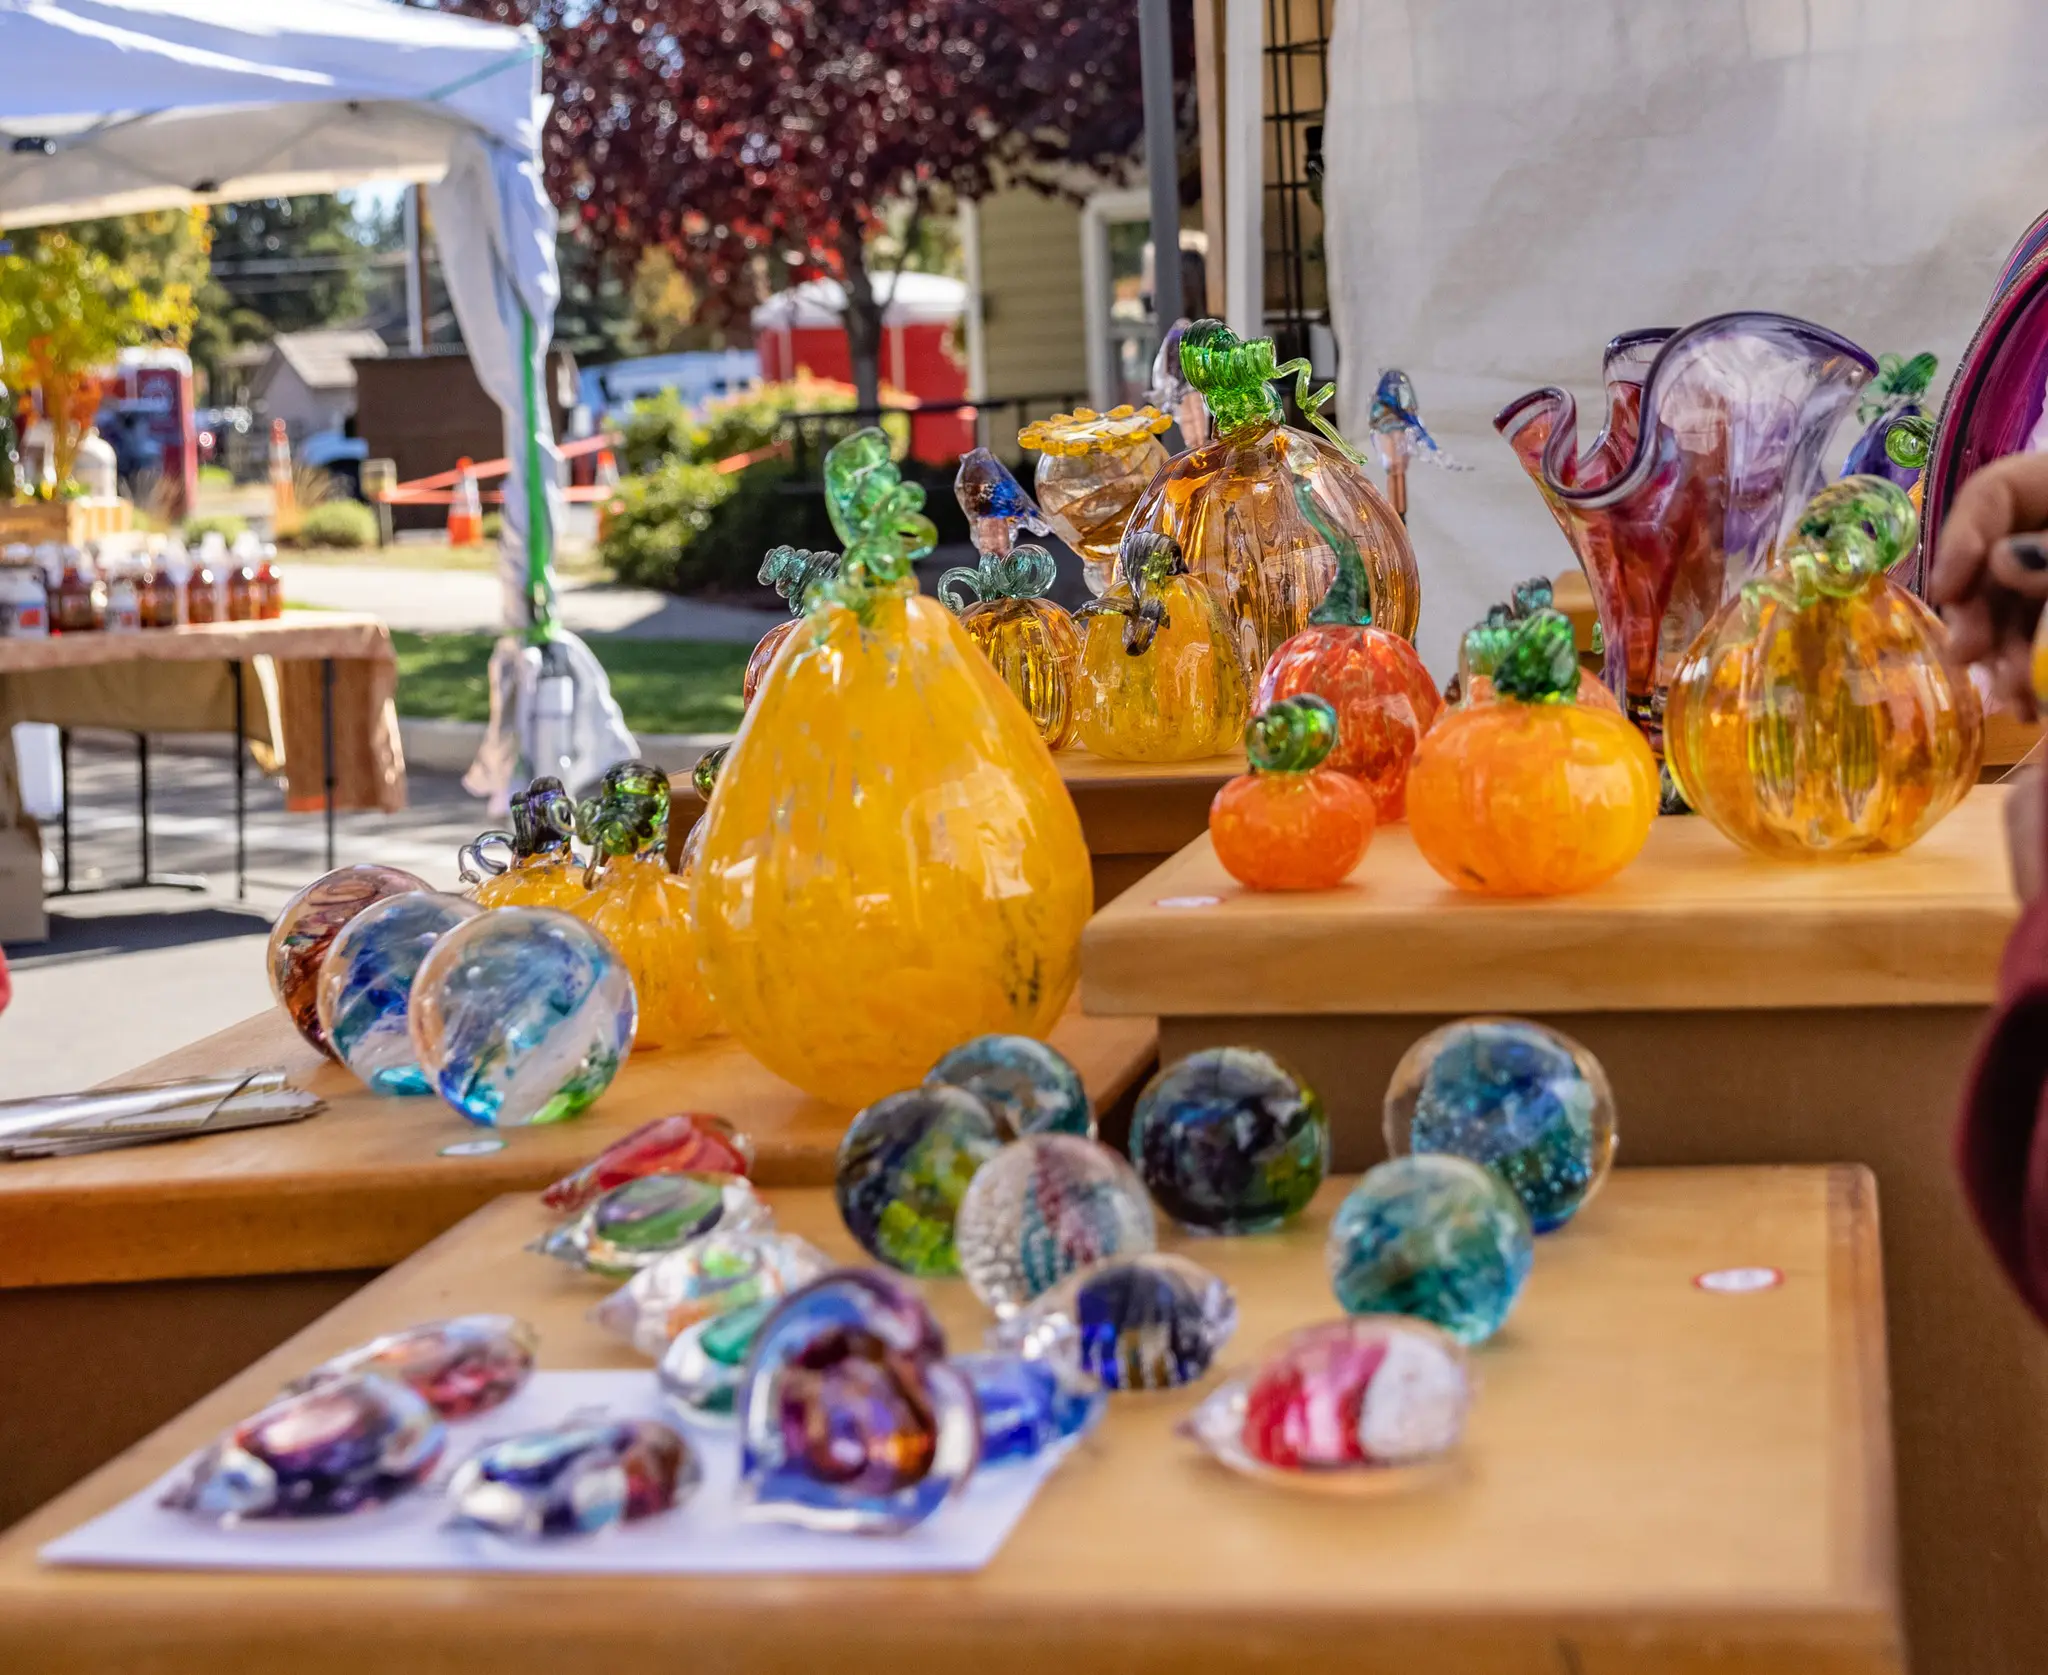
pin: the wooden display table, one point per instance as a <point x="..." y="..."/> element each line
<point x="1747" y="1012"/>
<point x="1657" y="1478"/>
<point x="155" y="1271"/>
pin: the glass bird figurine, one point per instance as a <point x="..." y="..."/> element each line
<point x="1820" y="713"/>
<point x="1041" y="1208"/>
<point x="701" y="1370"/>
<point x="1144" y="1322"/>
<point x="306" y="927"/>
<point x="540" y="869"/>
<point x="1399" y="436"/>
<point x="1262" y="510"/>
<point x="1227" y="1140"/>
<point x="795" y="573"/>
<point x="951" y="891"/>
<point x="1031" y="1087"/>
<point x="1092" y="469"/>
<point x="903" y="1168"/>
<point x="1160" y="678"/>
<point x="366" y="986"/>
<point x="1292" y="823"/>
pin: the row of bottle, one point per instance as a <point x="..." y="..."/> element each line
<point x="63" y="590"/>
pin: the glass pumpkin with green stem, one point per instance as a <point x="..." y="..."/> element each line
<point x="641" y="908"/>
<point x="793" y="572"/>
<point x="1819" y="712"/>
<point x="1384" y="698"/>
<point x="540" y="869"/>
<point x="1293" y="822"/>
<point x="1160" y="678"/>
<point x="1483" y="645"/>
<point x="1531" y="793"/>
<point x="1262" y="510"/>
<point x="890" y="863"/>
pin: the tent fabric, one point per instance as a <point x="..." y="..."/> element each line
<point x="1510" y="183"/>
<point x="109" y="107"/>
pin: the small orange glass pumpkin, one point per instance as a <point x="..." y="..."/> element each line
<point x="1292" y="823"/>
<point x="542" y="870"/>
<point x="1531" y="794"/>
<point x="1819" y="713"/>
<point x="1484" y="644"/>
<point x="1384" y="698"/>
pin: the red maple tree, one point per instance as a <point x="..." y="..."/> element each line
<point x="748" y="136"/>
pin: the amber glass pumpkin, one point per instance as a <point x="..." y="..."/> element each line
<point x="1532" y="794"/>
<point x="1292" y="823"/>
<point x="1160" y="678"/>
<point x="1819" y="713"/>
<point x="1383" y="696"/>
<point x="1031" y="642"/>
<point x="792" y="572"/>
<point x="641" y="908"/>
<point x="1261" y="510"/>
<point x="540" y="870"/>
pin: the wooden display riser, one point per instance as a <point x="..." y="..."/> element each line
<point x="1657" y="1479"/>
<point x="1746" y="1012"/>
<point x="131" y="1281"/>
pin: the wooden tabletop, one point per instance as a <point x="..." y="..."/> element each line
<point x="1656" y="1478"/>
<point x="296" y="634"/>
<point x="365" y="1184"/>
<point x="1692" y="923"/>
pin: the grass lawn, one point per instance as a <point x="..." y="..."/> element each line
<point x="664" y="686"/>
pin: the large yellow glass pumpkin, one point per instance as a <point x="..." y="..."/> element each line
<point x="1160" y="677"/>
<point x="891" y="863"/>
<point x="1819" y="713"/>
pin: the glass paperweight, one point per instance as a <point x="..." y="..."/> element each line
<point x="343" y="1446"/>
<point x="305" y="927"/>
<point x="903" y="1168"/>
<point x="1030" y="641"/>
<point x="621" y="1231"/>
<point x="641" y="908"/>
<point x="522" y="1015"/>
<point x="1092" y="469"/>
<point x="950" y="893"/>
<point x="1027" y="1406"/>
<point x="1532" y="794"/>
<point x="851" y="1417"/>
<point x="1262" y="511"/>
<point x="1160" y="678"/>
<point x="573" y="1479"/>
<point x="1146" y="1322"/>
<point x="539" y="869"/>
<point x="1529" y="1103"/>
<point x="712" y="1275"/>
<point x="365" y="988"/>
<point x="793" y="572"/>
<point x="689" y="1143"/>
<point x="1821" y="713"/>
<point x="700" y="1372"/>
<point x="1433" y="1236"/>
<point x="1714" y="439"/>
<point x="462" y="1367"/>
<point x="1030" y="1086"/>
<point x="1359" y="1406"/>
<point x="1384" y="698"/>
<point x="1042" y="1207"/>
<point x="1227" y="1140"/>
<point x="1292" y="823"/>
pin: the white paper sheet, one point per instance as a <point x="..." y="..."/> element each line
<point x="705" y="1536"/>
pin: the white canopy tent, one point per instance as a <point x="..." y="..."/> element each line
<point x="108" y="107"/>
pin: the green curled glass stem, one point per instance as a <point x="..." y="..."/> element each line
<point x="1538" y="663"/>
<point x="704" y="776"/>
<point x="1488" y="639"/>
<point x="1236" y="377"/>
<point x="878" y="515"/>
<point x="543" y="819"/>
<point x="1291" y="735"/>
<point x="1909" y="441"/>
<point x="629" y="814"/>
<point x="1025" y="572"/>
<point x="1847" y="536"/>
<point x="795" y="571"/>
<point x="1146" y="561"/>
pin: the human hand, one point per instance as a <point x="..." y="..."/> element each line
<point x="1990" y="572"/>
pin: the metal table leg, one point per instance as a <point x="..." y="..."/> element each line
<point x="241" y="795"/>
<point x="148" y="878"/>
<point x="64" y="806"/>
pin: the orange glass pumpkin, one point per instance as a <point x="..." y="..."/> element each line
<point x="1531" y="794"/>
<point x="541" y="870"/>
<point x="1483" y="646"/>
<point x="1383" y="696"/>
<point x="1291" y="823"/>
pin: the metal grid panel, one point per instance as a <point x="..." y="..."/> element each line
<point x="1296" y="54"/>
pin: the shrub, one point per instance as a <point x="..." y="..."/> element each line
<point x="338" y="523"/>
<point x="224" y="524"/>
<point x="690" y="529"/>
<point x="660" y="429"/>
<point x="216" y="477"/>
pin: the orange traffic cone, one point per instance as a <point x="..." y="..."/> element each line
<point x="466" y="509"/>
<point x="606" y="477"/>
<point x="284" y="501"/>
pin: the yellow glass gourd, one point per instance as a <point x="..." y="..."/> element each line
<point x="891" y="864"/>
<point x="1160" y="678"/>
<point x="541" y="869"/>
<point x="1818" y="713"/>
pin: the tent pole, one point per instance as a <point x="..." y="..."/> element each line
<point x="1162" y="157"/>
<point x="415" y="287"/>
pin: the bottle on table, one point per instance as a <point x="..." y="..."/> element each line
<point x="158" y="591"/>
<point x="24" y="600"/>
<point x="269" y="585"/>
<point x="81" y="603"/>
<point x="241" y="579"/>
<point x="124" y="600"/>
<point x="202" y="586"/>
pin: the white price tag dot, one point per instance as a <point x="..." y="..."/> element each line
<point x="1736" y="1281"/>
<point x="473" y="1148"/>
<point x="1188" y="901"/>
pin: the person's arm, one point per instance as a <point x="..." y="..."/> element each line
<point x="1990" y="572"/>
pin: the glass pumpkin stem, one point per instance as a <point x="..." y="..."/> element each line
<point x="878" y="515"/>
<point x="1236" y="377"/>
<point x="1291" y="735"/>
<point x="1148" y="561"/>
<point x="794" y="571"/>
<point x="473" y="866"/>
<point x="1909" y="442"/>
<point x="1025" y="572"/>
<point x="704" y="776"/>
<point x="1852" y="532"/>
<point x="1538" y="662"/>
<point x="629" y="814"/>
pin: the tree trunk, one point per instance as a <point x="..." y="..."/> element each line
<point x="863" y="326"/>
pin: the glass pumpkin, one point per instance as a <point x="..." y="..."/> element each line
<point x="1262" y="511"/>
<point x="1383" y="696"/>
<point x="1483" y="645"/>
<point x="541" y="870"/>
<point x="641" y="908"/>
<point x="1293" y="822"/>
<point x="1819" y="713"/>
<point x="792" y="572"/>
<point x="1092" y="469"/>
<point x="1532" y="794"/>
<point x="891" y="863"/>
<point x="1160" y="678"/>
